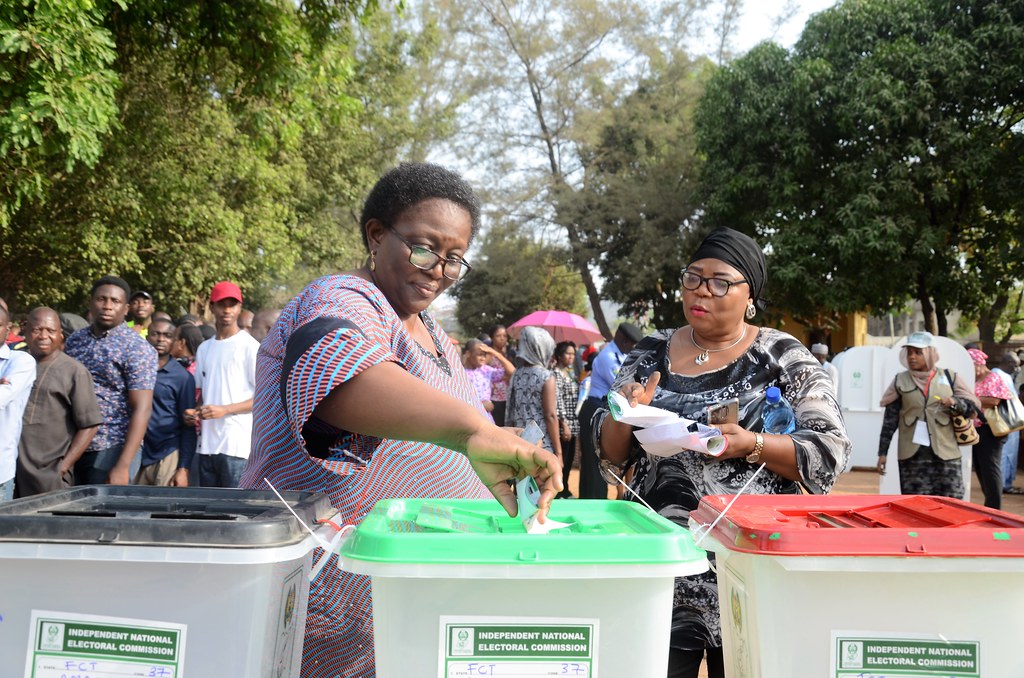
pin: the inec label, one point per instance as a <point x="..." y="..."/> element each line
<point x="857" y="656"/>
<point x="514" y="647"/>
<point x="63" y="644"/>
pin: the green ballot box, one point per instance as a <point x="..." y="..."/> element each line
<point x="461" y="589"/>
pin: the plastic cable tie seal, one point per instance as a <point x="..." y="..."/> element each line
<point x="336" y="526"/>
<point x="729" y="505"/>
<point x="319" y="539"/>
<point x="332" y="548"/>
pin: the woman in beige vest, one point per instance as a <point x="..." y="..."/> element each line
<point x="919" y="403"/>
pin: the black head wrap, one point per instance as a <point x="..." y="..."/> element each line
<point x="739" y="251"/>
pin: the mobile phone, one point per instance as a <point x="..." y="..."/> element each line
<point x="725" y="412"/>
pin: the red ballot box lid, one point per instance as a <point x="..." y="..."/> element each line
<point x="860" y="525"/>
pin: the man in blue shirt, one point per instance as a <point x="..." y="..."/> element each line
<point x="123" y="369"/>
<point x="606" y="367"/>
<point x="170" y="444"/>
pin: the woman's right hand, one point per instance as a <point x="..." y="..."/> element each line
<point x="636" y="393"/>
<point x="881" y="465"/>
<point x="498" y="455"/>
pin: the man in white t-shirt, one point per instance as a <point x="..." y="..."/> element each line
<point x="226" y="379"/>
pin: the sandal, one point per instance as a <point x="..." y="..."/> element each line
<point x="1014" y="490"/>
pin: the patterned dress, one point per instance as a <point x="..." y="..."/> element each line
<point x="673" y="486"/>
<point x="525" y="403"/>
<point x="336" y="328"/>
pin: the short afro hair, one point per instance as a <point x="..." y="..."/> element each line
<point x="410" y="183"/>
<point x="111" y="280"/>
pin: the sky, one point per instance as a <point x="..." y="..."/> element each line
<point x="757" y="21"/>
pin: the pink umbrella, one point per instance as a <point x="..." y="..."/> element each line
<point x="561" y="325"/>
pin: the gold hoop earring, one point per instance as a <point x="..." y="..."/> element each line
<point x="373" y="260"/>
<point x="751" y="311"/>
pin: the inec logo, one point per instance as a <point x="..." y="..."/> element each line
<point x="52" y="636"/>
<point x="852" y="655"/>
<point x="462" y="642"/>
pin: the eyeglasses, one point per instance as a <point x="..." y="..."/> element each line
<point x="453" y="268"/>
<point x="718" y="287"/>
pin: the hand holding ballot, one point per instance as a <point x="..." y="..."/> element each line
<point x="663" y="433"/>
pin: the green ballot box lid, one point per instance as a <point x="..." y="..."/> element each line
<point x="425" y="537"/>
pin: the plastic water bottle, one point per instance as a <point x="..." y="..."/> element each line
<point x="777" y="413"/>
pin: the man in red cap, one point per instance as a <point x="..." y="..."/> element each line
<point x="226" y="380"/>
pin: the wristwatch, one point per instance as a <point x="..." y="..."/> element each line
<point x="755" y="456"/>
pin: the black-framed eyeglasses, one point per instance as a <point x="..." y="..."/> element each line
<point x="718" y="287"/>
<point x="453" y="268"/>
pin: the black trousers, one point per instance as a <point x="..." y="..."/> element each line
<point x="592" y="485"/>
<point x="686" y="663"/>
<point x="499" y="412"/>
<point x="568" y="454"/>
<point x="987" y="459"/>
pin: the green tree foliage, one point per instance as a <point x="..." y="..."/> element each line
<point x="512" y="276"/>
<point x="881" y="158"/>
<point x="56" y="95"/>
<point x="638" y="201"/>
<point x="540" y="74"/>
<point x="247" y="134"/>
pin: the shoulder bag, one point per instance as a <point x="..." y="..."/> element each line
<point x="1006" y="417"/>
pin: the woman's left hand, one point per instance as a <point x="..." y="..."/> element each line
<point x="741" y="441"/>
<point x="639" y="394"/>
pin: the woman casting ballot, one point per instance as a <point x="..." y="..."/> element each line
<point x="361" y="395"/>
<point x="720" y="357"/>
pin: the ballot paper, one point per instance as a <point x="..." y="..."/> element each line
<point x="668" y="439"/>
<point x="664" y="433"/>
<point x="638" y="415"/>
<point x="527" y="496"/>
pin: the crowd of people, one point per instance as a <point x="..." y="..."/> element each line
<point x="354" y="391"/>
<point x="124" y="394"/>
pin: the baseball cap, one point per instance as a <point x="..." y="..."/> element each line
<point x="920" y="339"/>
<point x="141" y="293"/>
<point x="225" y="290"/>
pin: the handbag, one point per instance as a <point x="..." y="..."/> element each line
<point x="1006" y="417"/>
<point x="964" y="430"/>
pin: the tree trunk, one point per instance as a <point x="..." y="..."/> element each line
<point x="927" y="309"/>
<point x="595" y="300"/>
<point x="580" y="261"/>
<point x="989" y="317"/>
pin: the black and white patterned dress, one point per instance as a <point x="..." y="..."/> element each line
<point x="525" y="403"/>
<point x="673" y="486"/>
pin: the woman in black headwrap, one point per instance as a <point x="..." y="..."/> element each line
<point x="720" y="357"/>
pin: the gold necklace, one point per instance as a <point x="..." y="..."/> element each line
<point x="703" y="357"/>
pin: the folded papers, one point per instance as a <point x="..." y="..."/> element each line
<point x="664" y="433"/>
